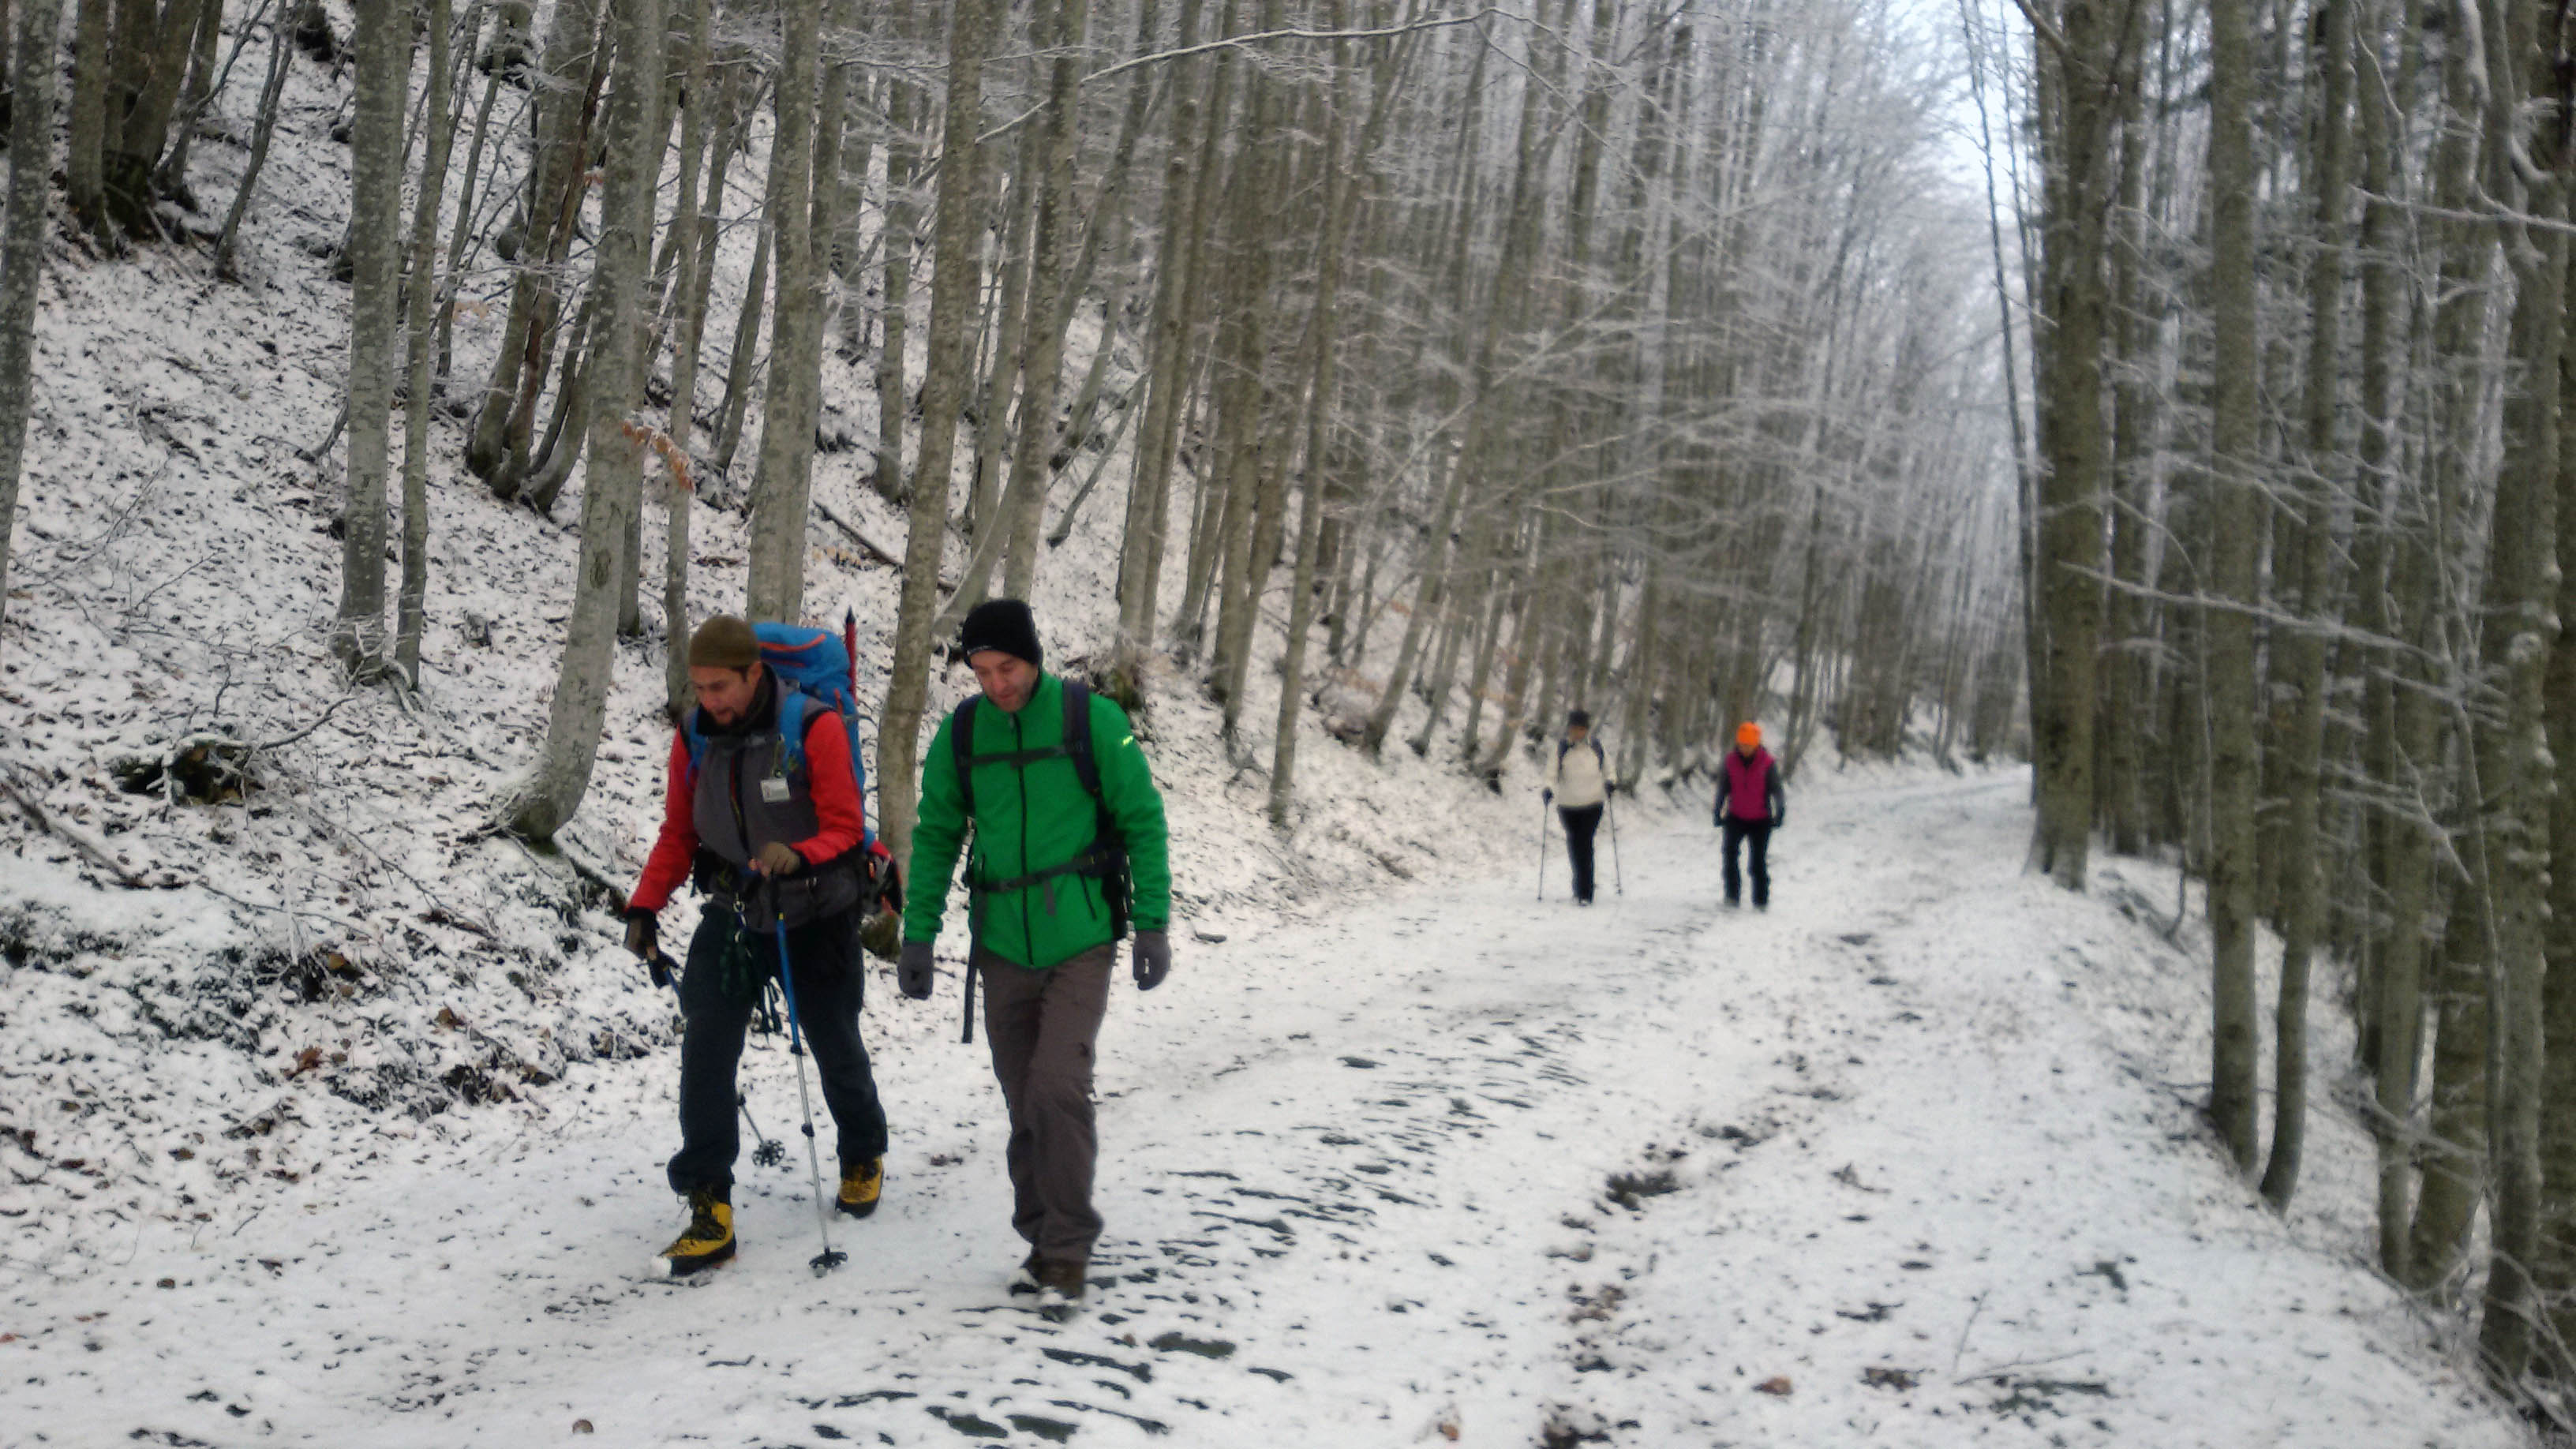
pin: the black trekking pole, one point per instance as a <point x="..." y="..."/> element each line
<point x="1542" y="850"/>
<point x="768" y="1151"/>
<point x="1610" y="807"/>
<point x="830" y="1258"/>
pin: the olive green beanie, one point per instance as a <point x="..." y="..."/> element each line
<point x="723" y="642"/>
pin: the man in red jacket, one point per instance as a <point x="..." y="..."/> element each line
<point x="1750" y="805"/>
<point x="771" y="831"/>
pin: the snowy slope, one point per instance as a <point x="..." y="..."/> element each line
<point x="349" y="947"/>
<point x="1905" y="1161"/>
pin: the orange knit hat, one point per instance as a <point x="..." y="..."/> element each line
<point x="1748" y="734"/>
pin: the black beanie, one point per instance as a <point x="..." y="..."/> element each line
<point x="1575" y="717"/>
<point x="1004" y="624"/>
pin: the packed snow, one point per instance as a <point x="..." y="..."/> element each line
<point x="1912" y="1158"/>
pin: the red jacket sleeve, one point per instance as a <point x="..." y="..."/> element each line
<point x="840" y="819"/>
<point x="677" y="846"/>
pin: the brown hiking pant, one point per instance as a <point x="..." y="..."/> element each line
<point x="1042" y="1025"/>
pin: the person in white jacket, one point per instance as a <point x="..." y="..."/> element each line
<point x="1578" y="782"/>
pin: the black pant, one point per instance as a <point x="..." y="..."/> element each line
<point x="1758" y="832"/>
<point x="1580" y="823"/>
<point x="825" y="963"/>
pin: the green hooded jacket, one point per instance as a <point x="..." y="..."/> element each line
<point x="1029" y="817"/>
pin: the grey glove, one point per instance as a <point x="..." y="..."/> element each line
<point x="1152" y="951"/>
<point x="913" y="973"/>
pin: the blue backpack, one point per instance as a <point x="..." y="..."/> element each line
<point x="814" y="672"/>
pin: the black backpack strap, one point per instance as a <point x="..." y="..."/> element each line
<point x="1077" y="738"/>
<point x="1109" y="845"/>
<point x="961" y="747"/>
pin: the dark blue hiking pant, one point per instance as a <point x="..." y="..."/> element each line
<point x="718" y="1002"/>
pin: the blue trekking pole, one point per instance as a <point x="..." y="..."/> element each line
<point x="830" y="1258"/>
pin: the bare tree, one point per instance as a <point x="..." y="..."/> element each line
<point x="375" y="199"/>
<point x="612" y="483"/>
<point x="943" y="391"/>
<point x="22" y="251"/>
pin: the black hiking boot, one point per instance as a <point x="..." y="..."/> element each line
<point x="1059" y="1286"/>
<point x="1024" y="1278"/>
<point x="708" y="1239"/>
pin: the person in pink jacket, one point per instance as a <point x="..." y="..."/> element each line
<point x="1750" y="805"/>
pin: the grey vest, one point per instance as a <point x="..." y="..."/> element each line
<point x="747" y="797"/>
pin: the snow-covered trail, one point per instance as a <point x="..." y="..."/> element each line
<point x="1904" y="1161"/>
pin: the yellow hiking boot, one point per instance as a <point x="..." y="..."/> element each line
<point x="707" y="1241"/>
<point x="861" y="1184"/>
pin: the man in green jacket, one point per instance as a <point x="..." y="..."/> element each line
<point x="1069" y="854"/>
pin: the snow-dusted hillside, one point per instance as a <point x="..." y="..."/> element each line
<point x="195" y="996"/>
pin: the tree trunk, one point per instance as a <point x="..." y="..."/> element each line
<point x="357" y="633"/>
<point x="697" y="216"/>
<point x="2302" y="875"/>
<point x="2510" y="760"/>
<point x="411" y="612"/>
<point x="2067" y="602"/>
<point x="496" y="452"/>
<point x="1426" y="602"/>
<point x="170" y="177"/>
<point x="1339" y="184"/>
<point x="895" y="239"/>
<point x="2454" y="1150"/>
<point x="953" y="285"/>
<point x="281" y="50"/>
<point x="152" y="46"/>
<point x="1185" y="210"/>
<point x="783" y="481"/>
<point x="22" y="250"/>
<point x="1017" y="189"/>
<point x="1042" y="352"/>
<point x="612" y="484"/>
<point x="85" y="170"/>
<point x="2556" y="1266"/>
<point x="503" y="34"/>
<point x="745" y="356"/>
<point x="2402" y="712"/>
<point x="2235" y="774"/>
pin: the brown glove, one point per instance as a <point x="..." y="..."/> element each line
<point x="778" y="858"/>
<point x="882" y="935"/>
<point x="642" y="933"/>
